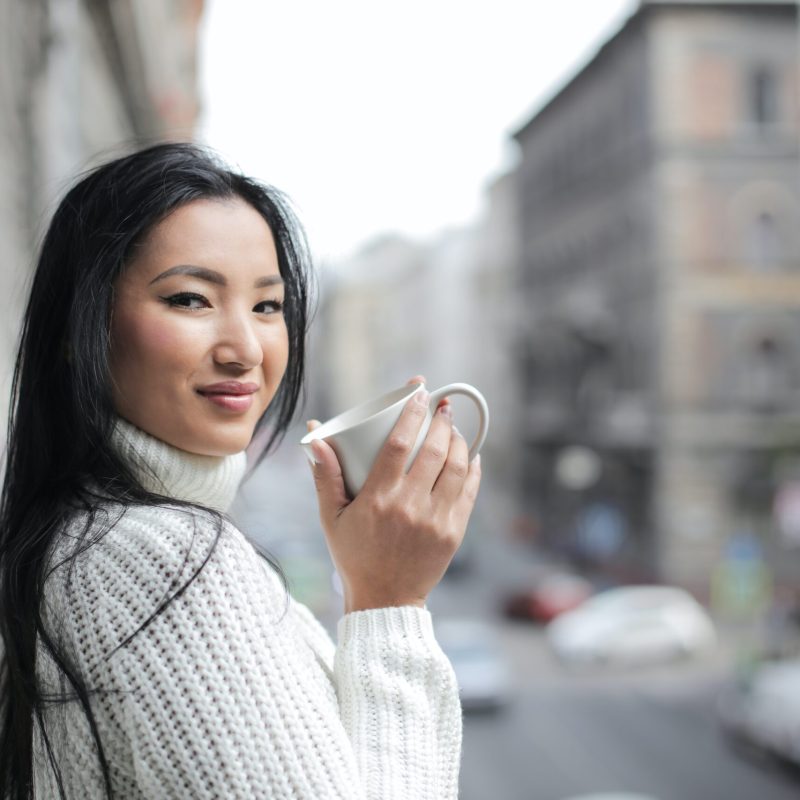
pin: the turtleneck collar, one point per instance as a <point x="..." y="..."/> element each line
<point x="166" y="470"/>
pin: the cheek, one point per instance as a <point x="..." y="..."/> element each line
<point x="164" y="338"/>
<point x="141" y="343"/>
<point x="281" y="349"/>
<point x="275" y="349"/>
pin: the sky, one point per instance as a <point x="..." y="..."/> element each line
<point x="385" y="117"/>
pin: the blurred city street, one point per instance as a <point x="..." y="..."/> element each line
<point x="562" y="733"/>
<point x="655" y="736"/>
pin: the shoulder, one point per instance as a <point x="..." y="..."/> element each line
<point x="145" y="538"/>
<point x="120" y="567"/>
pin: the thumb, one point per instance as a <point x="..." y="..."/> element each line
<point x="328" y="480"/>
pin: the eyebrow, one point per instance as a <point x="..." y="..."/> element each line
<point x="212" y="276"/>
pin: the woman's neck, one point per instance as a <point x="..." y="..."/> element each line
<point x="166" y="470"/>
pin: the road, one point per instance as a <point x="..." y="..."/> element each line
<point x="557" y="741"/>
<point x="652" y="730"/>
<point x="649" y="730"/>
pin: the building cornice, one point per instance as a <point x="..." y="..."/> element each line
<point x="644" y="9"/>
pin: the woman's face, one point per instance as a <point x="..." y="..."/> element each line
<point x="200" y="304"/>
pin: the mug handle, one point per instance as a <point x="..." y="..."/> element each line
<point x="480" y="402"/>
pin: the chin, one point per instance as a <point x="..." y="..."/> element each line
<point x="223" y="447"/>
<point x="224" y="443"/>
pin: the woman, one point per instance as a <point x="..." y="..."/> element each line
<point x="148" y="650"/>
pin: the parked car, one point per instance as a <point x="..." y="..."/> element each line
<point x="481" y="667"/>
<point x="632" y="625"/>
<point x="551" y="595"/>
<point x="762" y="710"/>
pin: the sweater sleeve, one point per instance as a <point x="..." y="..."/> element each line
<point x="399" y="705"/>
<point x="222" y="694"/>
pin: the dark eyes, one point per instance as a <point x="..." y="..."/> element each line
<point x="186" y="300"/>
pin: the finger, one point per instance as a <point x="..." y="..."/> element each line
<point x="454" y="473"/>
<point x="328" y="481"/>
<point x="391" y="460"/>
<point x="433" y="453"/>
<point x="469" y="492"/>
<point x="445" y="401"/>
<point x="311" y="425"/>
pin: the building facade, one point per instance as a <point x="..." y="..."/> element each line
<point x="82" y="80"/>
<point x="660" y="355"/>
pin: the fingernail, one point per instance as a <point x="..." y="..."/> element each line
<point x="457" y="432"/>
<point x="478" y="459"/>
<point x="446" y="410"/>
<point x="423" y="397"/>
<point x="315" y="457"/>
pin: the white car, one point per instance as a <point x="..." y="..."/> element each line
<point x="632" y="625"/>
<point x="763" y="710"/>
<point x="481" y="667"/>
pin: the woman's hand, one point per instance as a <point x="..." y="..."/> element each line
<point x="393" y="542"/>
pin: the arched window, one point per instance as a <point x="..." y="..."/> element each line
<point x="765" y="248"/>
<point x="767" y="375"/>
<point x="761" y="233"/>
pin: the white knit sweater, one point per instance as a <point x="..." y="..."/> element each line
<point x="234" y="690"/>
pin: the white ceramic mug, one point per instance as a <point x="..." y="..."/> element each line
<point x="358" y="435"/>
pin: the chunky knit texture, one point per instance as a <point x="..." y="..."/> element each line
<point x="235" y="690"/>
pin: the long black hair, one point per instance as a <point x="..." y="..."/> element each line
<point x="59" y="458"/>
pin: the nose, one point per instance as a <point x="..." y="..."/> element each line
<point x="237" y="342"/>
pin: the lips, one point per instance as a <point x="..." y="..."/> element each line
<point x="230" y="395"/>
<point x="229" y="388"/>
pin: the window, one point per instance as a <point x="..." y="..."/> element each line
<point x="767" y="376"/>
<point x="763" y="99"/>
<point x="764" y="245"/>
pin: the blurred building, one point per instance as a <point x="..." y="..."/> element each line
<point x="82" y="80"/>
<point x="374" y="321"/>
<point x="440" y="308"/>
<point x="395" y="310"/>
<point x="659" y="216"/>
<point x="493" y="309"/>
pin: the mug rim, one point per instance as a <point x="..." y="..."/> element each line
<point x="338" y="423"/>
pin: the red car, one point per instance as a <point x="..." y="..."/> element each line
<point x="550" y="596"/>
